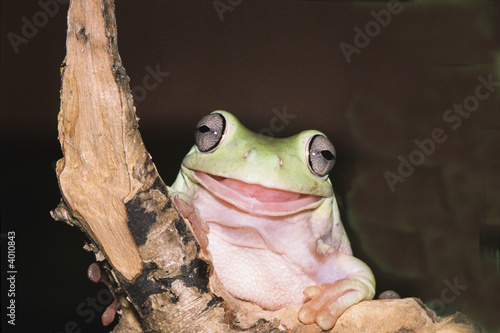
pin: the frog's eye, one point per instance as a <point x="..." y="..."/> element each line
<point x="320" y="155"/>
<point x="209" y="131"/>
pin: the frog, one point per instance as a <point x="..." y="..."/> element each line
<point x="265" y="210"/>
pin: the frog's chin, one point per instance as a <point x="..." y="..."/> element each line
<point x="255" y="198"/>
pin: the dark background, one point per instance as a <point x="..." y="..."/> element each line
<point x="440" y="226"/>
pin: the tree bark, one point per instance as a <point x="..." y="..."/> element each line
<point x="112" y="191"/>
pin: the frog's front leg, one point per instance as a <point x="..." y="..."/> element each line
<point x="190" y="212"/>
<point x="330" y="300"/>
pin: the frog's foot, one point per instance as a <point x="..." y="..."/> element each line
<point x="97" y="274"/>
<point x="330" y="300"/>
<point x="187" y="209"/>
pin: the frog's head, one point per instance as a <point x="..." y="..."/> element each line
<point x="229" y="158"/>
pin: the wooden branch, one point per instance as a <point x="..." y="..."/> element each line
<point x="112" y="191"/>
<point x="95" y="173"/>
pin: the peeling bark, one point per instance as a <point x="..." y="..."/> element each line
<point x="112" y="191"/>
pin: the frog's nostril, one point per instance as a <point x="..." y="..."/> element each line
<point x="245" y="155"/>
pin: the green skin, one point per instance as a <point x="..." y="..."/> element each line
<point x="275" y="254"/>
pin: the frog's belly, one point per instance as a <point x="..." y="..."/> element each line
<point x="258" y="275"/>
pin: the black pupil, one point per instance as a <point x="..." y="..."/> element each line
<point x="204" y="129"/>
<point x="327" y="154"/>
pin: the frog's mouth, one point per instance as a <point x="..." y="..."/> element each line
<point x="255" y="198"/>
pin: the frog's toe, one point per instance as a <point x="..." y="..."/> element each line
<point x="329" y="301"/>
<point x="389" y="294"/>
<point x="109" y="314"/>
<point x="325" y="306"/>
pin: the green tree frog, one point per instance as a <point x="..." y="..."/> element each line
<point x="265" y="210"/>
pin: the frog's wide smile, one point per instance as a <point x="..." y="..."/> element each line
<point x="256" y="198"/>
